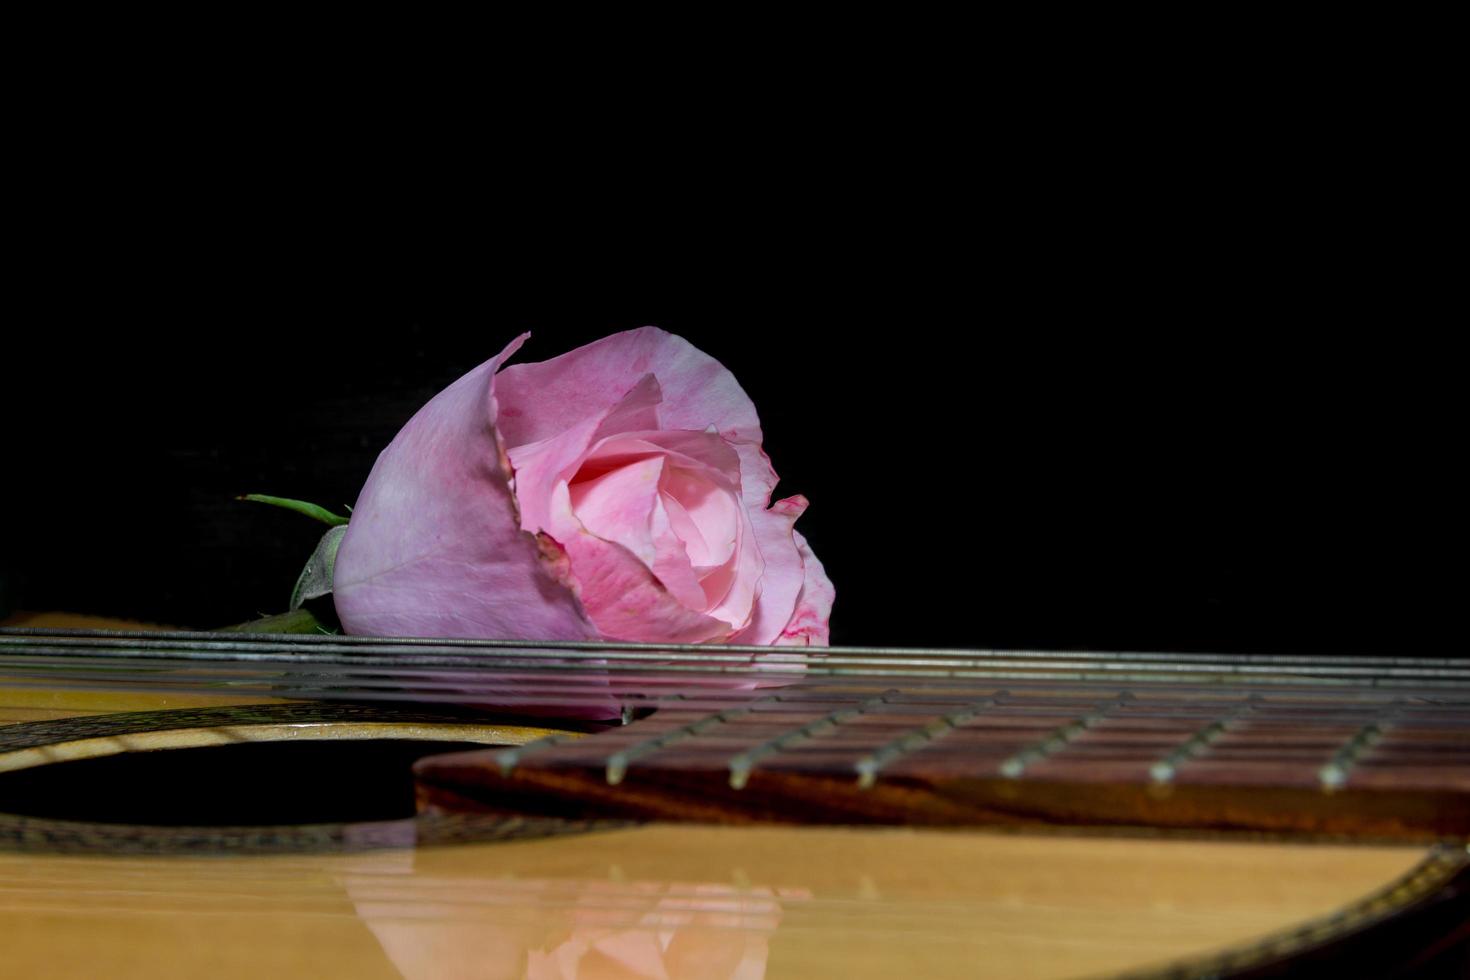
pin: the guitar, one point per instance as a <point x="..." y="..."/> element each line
<point x="429" y="808"/>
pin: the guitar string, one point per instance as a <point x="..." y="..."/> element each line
<point x="491" y="682"/>
<point x="233" y="642"/>
<point x="1004" y="742"/>
<point x="657" y="678"/>
<point x="655" y="682"/>
<point x="804" y="698"/>
<point x="828" y="663"/>
<point x="524" y="667"/>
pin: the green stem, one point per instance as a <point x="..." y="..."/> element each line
<point x="299" y="506"/>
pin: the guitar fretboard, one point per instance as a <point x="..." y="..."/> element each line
<point x="1303" y="760"/>
<point x="1324" y="745"/>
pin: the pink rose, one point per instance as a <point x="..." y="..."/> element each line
<point x="616" y="492"/>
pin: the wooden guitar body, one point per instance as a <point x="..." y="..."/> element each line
<point x="832" y="824"/>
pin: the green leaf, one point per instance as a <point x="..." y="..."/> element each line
<point x="296" y="621"/>
<point x="316" y="578"/>
<point x="299" y="506"/>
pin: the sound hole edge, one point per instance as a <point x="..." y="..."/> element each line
<point x="164" y="773"/>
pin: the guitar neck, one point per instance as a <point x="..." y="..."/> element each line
<point x="1353" y="761"/>
<point x="1367" y="747"/>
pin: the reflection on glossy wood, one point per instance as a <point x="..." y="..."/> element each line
<point x="43" y="704"/>
<point x="76" y="621"/>
<point x="677" y="901"/>
<point x="797" y="902"/>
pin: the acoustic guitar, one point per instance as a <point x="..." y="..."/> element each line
<point x="220" y="804"/>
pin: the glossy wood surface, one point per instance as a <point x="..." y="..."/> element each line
<point x="675" y="901"/>
<point x="662" y="900"/>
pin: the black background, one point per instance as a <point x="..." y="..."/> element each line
<point x="1122" y="428"/>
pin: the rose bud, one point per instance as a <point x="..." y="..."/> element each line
<point x="617" y="492"/>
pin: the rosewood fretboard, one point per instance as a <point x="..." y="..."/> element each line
<point x="1339" y="762"/>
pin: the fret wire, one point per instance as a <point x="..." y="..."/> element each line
<point x="508" y="759"/>
<point x="1245" y="764"/>
<point x="1163" y="771"/>
<point x="741" y="764"/>
<point x="1014" y="766"/>
<point x="1334" y="775"/>
<point x="868" y="766"/>
<point x="618" y="762"/>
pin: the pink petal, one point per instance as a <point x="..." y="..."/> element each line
<point x="619" y="592"/>
<point x="541" y="400"/>
<point x="809" y="623"/>
<point x="624" y="506"/>
<point x="618" y="505"/>
<point x="635" y="411"/>
<point x="700" y="484"/>
<point x="435" y="548"/>
<point x="732" y="587"/>
<point x="783" y="575"/>
<point x="626" y="601"/>
<point x="540" y="466"/>
<point x="696" y="450"/>
<point x="671" y="561"/>
<point x="696" y="548"/>
<point x="706" y="508"/>
<point x="705" y="514"/>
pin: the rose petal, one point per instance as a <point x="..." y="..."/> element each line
<point x="435" y="548"/>
<point x="624" y="599"/>
<point x="554" y="416"/>
<point x="696" y="548"/>
<point x="671" y="561"/>
<point x="625" y="506"/>
<point x="695" y="450"/>
<point x="809" y="623"/>
<point x="635" y="411"/>
<point x="782" y="577"/>
<point x="703" y="505"/>
<point x="544" y="399"/>
<point x="618" y="505"/>
<point x="620" y="594"/>
<point x="703" y="498"/>
<point x="706" y="515"/>
<point x="732" y="587"/>
<point x="541" y="465"/>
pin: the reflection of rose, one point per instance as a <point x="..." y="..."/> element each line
<point x="571" y="930"/>
<point x="710" y="931"/>
<point x="615" y="492"/>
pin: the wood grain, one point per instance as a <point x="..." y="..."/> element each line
<point x="797" y="902"/>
